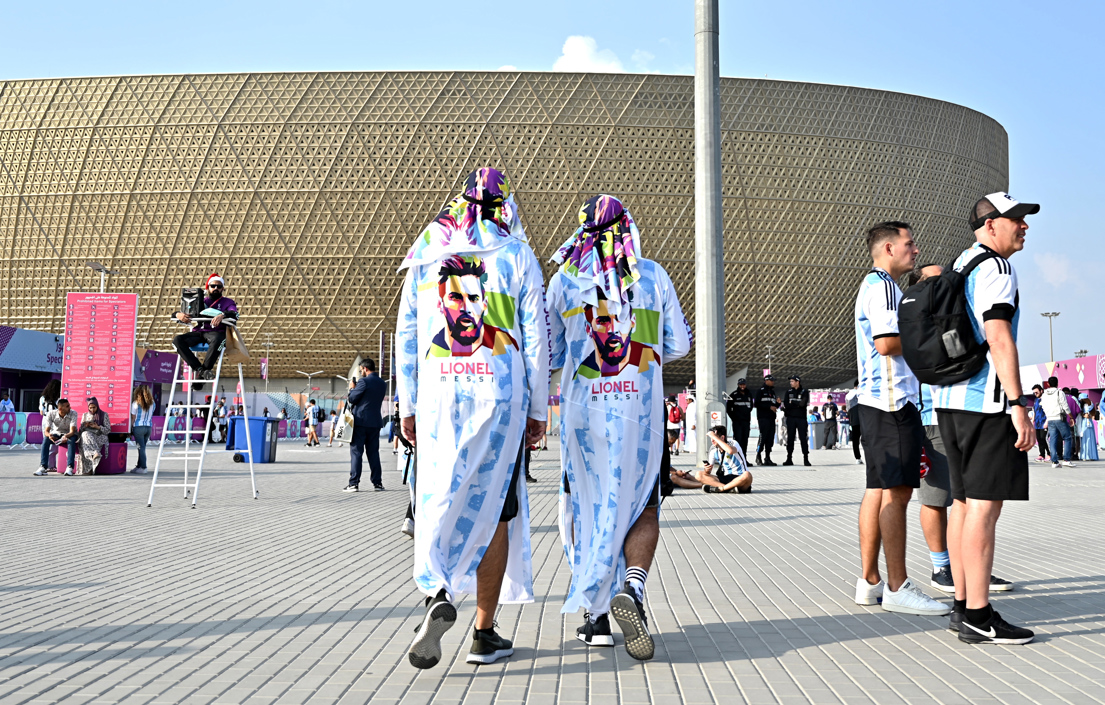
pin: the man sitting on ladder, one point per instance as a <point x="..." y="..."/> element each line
<point x="212" y="332"/>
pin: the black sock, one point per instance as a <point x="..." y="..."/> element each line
<point x="978" y="616"/>
<point x="959" y="606"/>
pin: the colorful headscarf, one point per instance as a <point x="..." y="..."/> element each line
<point x="602" y="253"/>
<point x="482" y="218"/>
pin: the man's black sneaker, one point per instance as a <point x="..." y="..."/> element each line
<point x="769" y="464"/>
<point x="942" y="580"/>
<point x="530" y="478"/>
<point x="788" y="461"/>
<point x="630" y="615"/>
<point x="759" y="460"/>
<point x="378" y="488"/>
<point x="425" y="652"/>
<point x="807" y="463"/>
<point x="994" y="631"/>
<point x="999" y="585"/>
<point x="955" y="620"/>
<point x="710" y="489"/>
<point x="488" y="647"/>
<point x="351" y="488"/>
<point x="595" y="633"/>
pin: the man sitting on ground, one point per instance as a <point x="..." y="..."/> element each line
<point x="729" y="463"/>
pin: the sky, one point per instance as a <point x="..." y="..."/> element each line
<point x="1036" y="69"/>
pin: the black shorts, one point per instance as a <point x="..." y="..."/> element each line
<point x="892" y="443"/>
<point x="653" y="499"/>
<point x="510" y="506"/>
<point x="982" y="456"/>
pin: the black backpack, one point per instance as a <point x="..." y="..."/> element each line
<point x="938" y="339"/>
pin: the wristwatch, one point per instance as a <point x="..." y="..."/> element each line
<point x="1024" y="400"/>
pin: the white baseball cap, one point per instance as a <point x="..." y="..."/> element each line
<point x="999" y="205"/>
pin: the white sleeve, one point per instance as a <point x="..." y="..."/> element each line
<point x="406" y="348"/>
<point x="557" y="330"/>
<point x="995" y="290"/>
<point x="881" y="306"/>
<point x="677" y="332"/>
<point x="534" y="324"/>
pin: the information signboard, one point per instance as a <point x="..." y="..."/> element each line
<point x="99" y="353"/>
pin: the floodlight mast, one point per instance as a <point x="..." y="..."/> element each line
<point x="709" y="268"/>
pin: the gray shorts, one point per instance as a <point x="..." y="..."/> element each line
<point x="936" y="486"/>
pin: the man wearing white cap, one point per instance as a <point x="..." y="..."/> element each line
<point x="984" y="420"/>
<point x="212" y="332"/>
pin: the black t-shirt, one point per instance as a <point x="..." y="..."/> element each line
<point x="739" y="406"/>
<point x="795" y="403"/>
<point x="765" y="399"/>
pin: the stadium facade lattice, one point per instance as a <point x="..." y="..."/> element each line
<point x="306" y="189"/>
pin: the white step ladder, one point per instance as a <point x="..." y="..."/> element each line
<point x="186" y="454"/>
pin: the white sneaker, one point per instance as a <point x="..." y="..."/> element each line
<point x="859" y="462"/>
<point x="909" y="599"/>
<point x="140" y="471"/>
<point x="1054" y="465"/>
<point x="1069" y="464"/>
<point x="868" y="594"/>
<point x="68" y="471"/>
<point x="41" y="471"/>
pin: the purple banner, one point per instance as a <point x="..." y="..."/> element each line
<point x="157" y="367"/>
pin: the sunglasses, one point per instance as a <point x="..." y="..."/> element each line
<point x="215" y="286"/>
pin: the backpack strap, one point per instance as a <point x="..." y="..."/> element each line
<point x="973" y="264"/>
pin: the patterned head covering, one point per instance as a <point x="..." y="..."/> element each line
<point x="602" y="253"/>
<point x="483" y="217"/>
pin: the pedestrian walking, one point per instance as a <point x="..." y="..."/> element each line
<point x="141" y="424"/>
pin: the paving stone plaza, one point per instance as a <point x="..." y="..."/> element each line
<point x="305" y="595"/>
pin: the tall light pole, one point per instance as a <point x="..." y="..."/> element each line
<point x="1050" y="340"/>
<point x="309" y="375"/>
<point x="709" y="270"/>
<point x="267" y="345"/>
<point x="104" y="271"/>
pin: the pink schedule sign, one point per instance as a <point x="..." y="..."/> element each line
<point x="99" y="353"/>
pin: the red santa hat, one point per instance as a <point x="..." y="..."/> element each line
<point x="214" y="278"/>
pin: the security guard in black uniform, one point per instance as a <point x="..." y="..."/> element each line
<point x="767" y="403"/>
<point x="795" y="405"/>
<point x="739" y="411"/>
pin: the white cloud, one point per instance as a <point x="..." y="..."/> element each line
<point x="641" y="59"/>
<point x="582" y="54"/>
<point x="1057" y="269"/>
<point x="508" y="67"/>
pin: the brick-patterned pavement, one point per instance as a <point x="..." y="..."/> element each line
<point x="305" y="595"/>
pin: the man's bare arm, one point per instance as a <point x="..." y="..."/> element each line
<point x="1003" y="350"/>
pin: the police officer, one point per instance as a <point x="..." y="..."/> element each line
<point x="739" y="411"/>
<point x="795" y="404"/>
<point x="767" y="403"/>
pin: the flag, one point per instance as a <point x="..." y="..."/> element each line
<point x="264" y="368"/>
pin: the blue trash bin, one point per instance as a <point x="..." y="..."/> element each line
<point x="262" y="436"/>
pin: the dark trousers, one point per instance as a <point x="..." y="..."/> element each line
<point x="44" y="454"/>
<point x="185" y="341"/>
<point x="740" y="433"/>
<point x="365" y="441"/>
<point x="856" y="432"/>
<point x="803" y="428"/>
<point x="767" y="435"/>
<point x="1041" y="441"/>
<point x="830" y="433"/>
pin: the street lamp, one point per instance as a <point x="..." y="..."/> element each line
<point x="309" y="375"/>
<point x="104" y="271"/>
<point x="1050" y="340"/>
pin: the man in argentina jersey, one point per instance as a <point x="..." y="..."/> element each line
<point x="892" y="431"/>
<point x="936" y="491"/>
<point x="984" y="422"/>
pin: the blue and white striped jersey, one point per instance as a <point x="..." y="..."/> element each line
<point x="885" y="382"/>
<point x="991" y="294"/>
<point x="928" y="411"/>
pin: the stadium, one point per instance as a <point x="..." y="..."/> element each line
<point x="306" y="189"/>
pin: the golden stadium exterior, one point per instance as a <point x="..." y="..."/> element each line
<point x="305" y="190"/>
